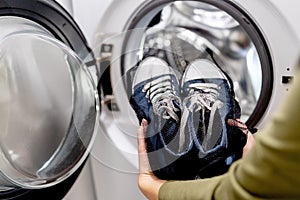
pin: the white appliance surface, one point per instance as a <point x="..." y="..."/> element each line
<point x="111" y="172"/>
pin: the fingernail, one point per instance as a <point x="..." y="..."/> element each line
<point x="144" y="123"/>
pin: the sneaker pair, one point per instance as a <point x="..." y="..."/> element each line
<point x="187" y="136"/>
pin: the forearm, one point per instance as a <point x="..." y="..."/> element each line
<point x="150" y="185"/>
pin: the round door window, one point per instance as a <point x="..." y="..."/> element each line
<point x="48" y="107"/>
<point x="180" y="32"/>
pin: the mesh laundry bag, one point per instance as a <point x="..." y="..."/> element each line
<point x="187" y="136"/>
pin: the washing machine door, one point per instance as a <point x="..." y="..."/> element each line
<point x="48" y="100"/>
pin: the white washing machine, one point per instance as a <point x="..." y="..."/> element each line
<point x="261" y="58"/>
<point x="48" y="77"/>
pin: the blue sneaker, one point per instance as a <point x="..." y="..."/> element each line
<point x="208" y="102"/>
<point x="156" y="98"/>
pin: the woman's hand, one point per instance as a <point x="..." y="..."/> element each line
<point x="250" y="139"/>
<point x="149" y="184"/>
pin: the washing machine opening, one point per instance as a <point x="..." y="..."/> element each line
<point x="180" y="32"/>
<point x="48" y="107"/>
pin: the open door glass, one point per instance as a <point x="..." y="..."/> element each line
<point x="48" y="107"/>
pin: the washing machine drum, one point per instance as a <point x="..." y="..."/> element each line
<point x="48" y="100"/>
<point x="181" y="32"/>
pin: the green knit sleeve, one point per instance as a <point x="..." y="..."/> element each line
<point x="181" y="190"/>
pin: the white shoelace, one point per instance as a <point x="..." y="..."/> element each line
<point x="161" y="93"/>
<point x="201" y="96"/>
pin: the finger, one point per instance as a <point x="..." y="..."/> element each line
<point x="237" y="123"/>
<point x="141" y="137"/>
<point x="144" y="166"/>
